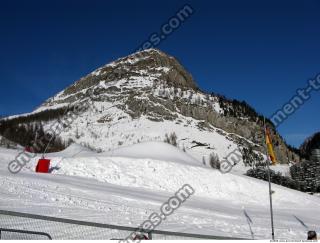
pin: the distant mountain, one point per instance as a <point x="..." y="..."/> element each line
<point x="148" y="96"/>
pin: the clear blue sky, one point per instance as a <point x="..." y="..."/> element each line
<point x="257" y="51"/>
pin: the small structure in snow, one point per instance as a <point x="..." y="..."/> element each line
<point x="43" y="166"/>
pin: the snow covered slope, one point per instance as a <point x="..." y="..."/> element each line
<point x="153" y="150"/>
<point x="125" y="186"/>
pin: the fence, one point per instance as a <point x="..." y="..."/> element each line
<point x="7" y="234"/>
<point x="16" y="225"/>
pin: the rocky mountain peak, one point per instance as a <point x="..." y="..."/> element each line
<point x="150" y="65"/>
<point x="154" y="61"/>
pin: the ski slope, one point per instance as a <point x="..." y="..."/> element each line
<point x="126" y="185"/>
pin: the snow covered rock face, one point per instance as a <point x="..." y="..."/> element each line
<point x="146" y="95"/>
<point x="146" y="68"/>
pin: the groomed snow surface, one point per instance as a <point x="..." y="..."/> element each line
<point x="125" y="186"/>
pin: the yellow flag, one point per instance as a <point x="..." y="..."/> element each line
<point x="270" y="147"/>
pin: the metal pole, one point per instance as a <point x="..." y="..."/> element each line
<point x="269" y="179"/>
<point x="54" y="133"/>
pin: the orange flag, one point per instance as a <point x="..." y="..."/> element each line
<point x="270" y="147"/>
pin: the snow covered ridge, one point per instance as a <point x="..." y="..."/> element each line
<point x="153" y="150"/>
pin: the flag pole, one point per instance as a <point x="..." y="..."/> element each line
<point x="269" y="178"/>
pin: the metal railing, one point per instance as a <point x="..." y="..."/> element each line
<point x="62" y="228"/>
<point x="24" y="232"/>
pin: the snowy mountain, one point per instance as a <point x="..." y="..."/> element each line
<point x="143" y="97"/>
<point x="110" y="164"/>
